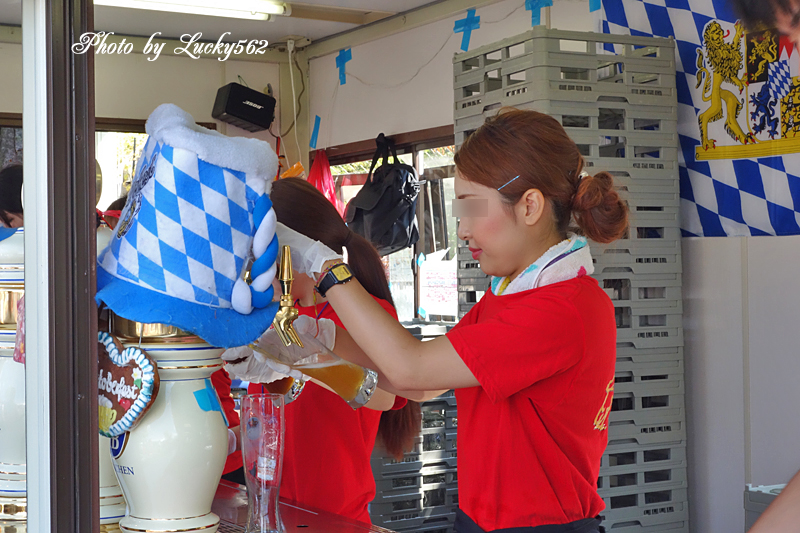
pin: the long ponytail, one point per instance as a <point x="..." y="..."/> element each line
<point x="300" y="206"/>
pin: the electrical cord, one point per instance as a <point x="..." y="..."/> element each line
<point x="294" y="100"/>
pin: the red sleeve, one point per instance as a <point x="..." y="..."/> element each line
<point x="399" y="403"/>
<point x="520" y="345"/>
<point x="222" y="384"/>
<point x="387" y="307"/>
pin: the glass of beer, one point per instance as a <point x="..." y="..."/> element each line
<point x="262" y="431"/>
<point x="353" y="383"/>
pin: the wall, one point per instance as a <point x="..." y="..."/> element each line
<point x="742" y="347"/>
<point x="401" y="83"/>
<point x="11" y="80"/>
<point x="129" y="86"/>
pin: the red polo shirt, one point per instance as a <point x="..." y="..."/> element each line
<point x="530" y="437"/>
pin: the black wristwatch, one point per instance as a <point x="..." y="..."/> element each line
<point x="336" y="275"/>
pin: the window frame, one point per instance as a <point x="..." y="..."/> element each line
<point x="415" y="143"/>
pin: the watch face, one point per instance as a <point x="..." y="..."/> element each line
<point x="341" y="272"/>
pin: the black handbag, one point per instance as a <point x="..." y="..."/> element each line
<point x="385" y="209"/>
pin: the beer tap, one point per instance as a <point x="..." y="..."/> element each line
<point x="286" y="312"/>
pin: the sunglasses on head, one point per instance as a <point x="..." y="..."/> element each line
<point x="114" y="213"/>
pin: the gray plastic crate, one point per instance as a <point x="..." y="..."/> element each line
<point x="655" y="431"/>
<point x="627" y="457"/>
<point x="560" y="65"/>
<point x="648" y="375"/>
<point x="648" y="400"/>
<point x="425" y="477"/>
<point x="639" y="480"/>
<point x="643" y="290"/>
<point x="663" y="505"/>
<point x="628" y="353"/>
<point x="681" y="526"/>
<point x="637" y="261"/>
<point x="414" y="517"/>
<point x="756" y="501"/>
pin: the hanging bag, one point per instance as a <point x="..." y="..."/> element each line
<point x="385" y="209"/>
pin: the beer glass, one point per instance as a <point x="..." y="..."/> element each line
<point x="262" y="449"/>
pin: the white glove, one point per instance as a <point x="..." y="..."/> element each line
<point x="251" y="369"/>
<point x="279" y="367"/>
<point x="323" y="329"/>
<point x="308" y="255"/>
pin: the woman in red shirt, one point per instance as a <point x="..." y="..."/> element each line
<point x="328" y="444"/>
<point x="533" y="362"/>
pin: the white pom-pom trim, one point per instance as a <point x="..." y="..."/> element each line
<point x="264" y="233"/>
<point x="241" y="299"/>
<point x="262" y="282"/>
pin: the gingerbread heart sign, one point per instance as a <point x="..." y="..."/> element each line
<point x="127" y="385"/>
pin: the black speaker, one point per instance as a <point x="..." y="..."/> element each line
<point x="243" y="107"/>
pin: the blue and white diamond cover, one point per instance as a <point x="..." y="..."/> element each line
<point x="186" y="233"/>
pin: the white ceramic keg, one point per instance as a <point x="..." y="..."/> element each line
<point x="13" y="505"/>
<point x="169" y="465"/>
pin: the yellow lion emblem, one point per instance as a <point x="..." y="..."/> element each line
<point x="726" y="62"/>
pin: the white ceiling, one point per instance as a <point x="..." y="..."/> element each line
<point x="173" y="25"/>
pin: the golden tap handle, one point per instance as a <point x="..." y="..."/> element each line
<point x="286" y="312"/>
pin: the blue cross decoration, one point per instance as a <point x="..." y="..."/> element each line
<point x="315" y="133"/>
<point x="465" y="26"/>
<point x="535" y="7"/>
<point x="341" y="60"/>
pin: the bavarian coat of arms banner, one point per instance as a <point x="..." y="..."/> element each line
<point x="738" y="115"/>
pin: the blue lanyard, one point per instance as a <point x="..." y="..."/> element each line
<point x="323" y="309"/>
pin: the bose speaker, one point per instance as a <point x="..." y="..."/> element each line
<point x="244" y="107"/>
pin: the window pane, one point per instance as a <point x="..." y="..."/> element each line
<point x="401" y="282"/>
<point x="437" y="273"/>
<point x="116" y="154"/>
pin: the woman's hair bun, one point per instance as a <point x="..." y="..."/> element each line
<point x="598" y="209"/>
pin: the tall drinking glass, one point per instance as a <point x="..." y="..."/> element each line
<point x="262" y="448"/>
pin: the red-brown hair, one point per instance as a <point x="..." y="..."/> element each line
<point x="301" y="207"/>
<point x="536" y="148"/>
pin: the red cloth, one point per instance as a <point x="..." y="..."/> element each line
<point x="530" y="437"/>
<point x="320" y="177"/>
<point x="328" y="445"/>
<point x="222" y="384"/>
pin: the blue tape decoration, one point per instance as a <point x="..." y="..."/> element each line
<point x="420" y="259"/>
<point x="466" y="26"/>
<point x="535" y="7"/>
<point x="208" y="400"/>
<point x="594" y="5"/>
<point x="421" y="312"/>
<point x="341" y="60"/>
<point x="315" y="133"/>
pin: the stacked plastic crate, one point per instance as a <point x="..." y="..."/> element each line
<point x="420" y="491"/>
<point x="616" y="97"/>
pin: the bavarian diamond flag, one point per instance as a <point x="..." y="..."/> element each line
<point x="738" y="115"/>
<point x="190" y="231"/>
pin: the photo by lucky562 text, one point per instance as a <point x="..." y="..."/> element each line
<point x="104" y="43"/>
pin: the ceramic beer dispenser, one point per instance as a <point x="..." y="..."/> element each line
<point x="12" y="383"/>
<point x="187" y="273"/>
<point x="170" y="463"/>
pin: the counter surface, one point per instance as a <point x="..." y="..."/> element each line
<point x="230" y="503"/>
